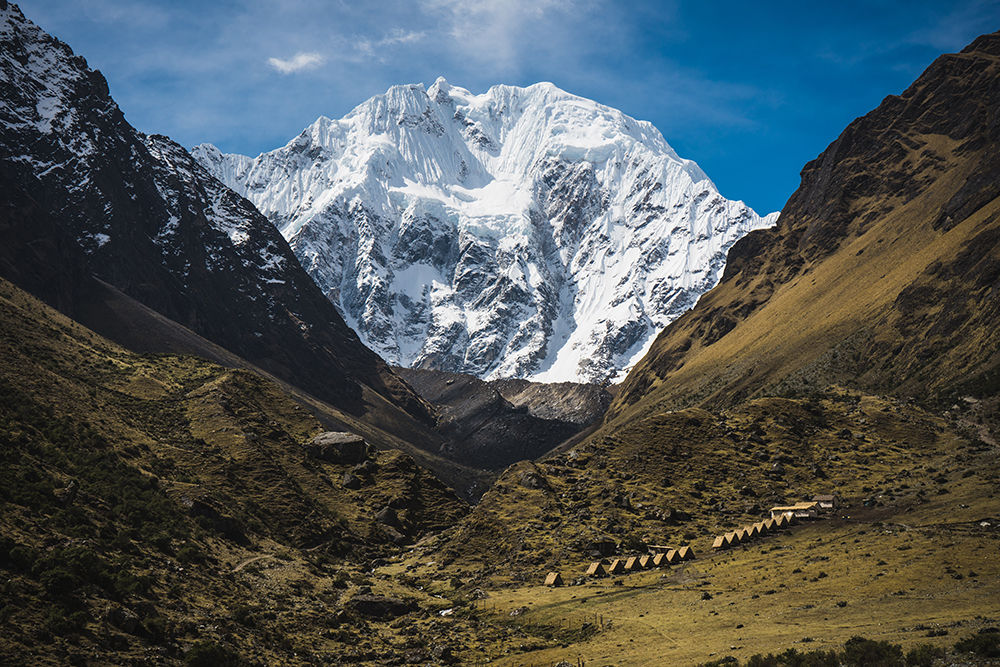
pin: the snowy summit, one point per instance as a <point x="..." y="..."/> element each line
<point x="524" y="232"/>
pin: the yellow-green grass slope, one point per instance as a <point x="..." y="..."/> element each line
<point x="149" y="502"/>
<point x="912" y="558"/>
<point x="881" y="273"/>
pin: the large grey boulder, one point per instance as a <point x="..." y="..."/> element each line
<point x="338" y="447"/>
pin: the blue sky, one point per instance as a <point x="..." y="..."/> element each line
<point x="751" y="91"/>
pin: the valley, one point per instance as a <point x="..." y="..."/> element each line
<point x="203" y="464"/>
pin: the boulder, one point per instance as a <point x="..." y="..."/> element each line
<point x="338" y="447"/>
<point x="380" y="606"/>
<point x="123" y="619"/>
<point x="224" y="523"/>
<point x="388" y="517"/>
<point x="443" y="653"/>
<point x="530" y="479"/>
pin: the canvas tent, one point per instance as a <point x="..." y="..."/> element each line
<point x="596" y="570"/>
<point x="554" y="579"/>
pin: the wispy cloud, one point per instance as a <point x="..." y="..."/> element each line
<point x="301" y="61"/>
<point x="367" y="48"/>
<point x="498" y="31"/>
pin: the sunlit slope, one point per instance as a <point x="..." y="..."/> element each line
<point x="881" y="273"/>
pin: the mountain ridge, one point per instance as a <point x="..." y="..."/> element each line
<point x="890" y="238"/>
<point x="524" y="232"/>
<point x="150" y="221"/>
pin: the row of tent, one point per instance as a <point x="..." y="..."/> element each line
<point x="637" y="563"/>
<point x="752" y="532"/>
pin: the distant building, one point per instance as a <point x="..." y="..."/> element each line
<point x="827" y="502"/>
<point x="809" y="510"/>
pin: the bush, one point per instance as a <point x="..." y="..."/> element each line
<point x="923" y="656"/>
<point x="985" y="644"/>
<point x="190" y="553"/>
<point x="209" y="654"/>
<point x="58" y="581"/>
<point x="58" y="622"/>
<point x="861" y="652"/>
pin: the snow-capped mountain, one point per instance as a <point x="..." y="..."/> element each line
<point x="148" y="219"/>
<point x="524" y="232"/>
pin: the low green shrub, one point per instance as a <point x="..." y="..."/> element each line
<point x="986" y="643"/>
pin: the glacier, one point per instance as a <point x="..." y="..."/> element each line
<point x="520" y="233"/>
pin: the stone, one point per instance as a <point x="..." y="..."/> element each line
<point x="124" y="619"/>
<point x="380" y="606"/>
<point x="338" y="447"/>
<point x="388" y="517"/>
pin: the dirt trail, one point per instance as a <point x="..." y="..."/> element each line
<point x="251" y="560"/>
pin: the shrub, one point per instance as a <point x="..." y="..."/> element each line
<point x="58" y="622"/>
<point x="58" y="581"/>
<point x="861" y="652"/>
<point x="209" y="654"/>
<point x="190" y="553"/>
<point x="985" y="644"/>
<point x="923" y="656"/>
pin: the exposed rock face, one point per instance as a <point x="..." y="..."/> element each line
<point x="525" y="232"/>
<point x="139" y="213"/>
<point x="883" y="270"/>
<point x="491" y="425"/>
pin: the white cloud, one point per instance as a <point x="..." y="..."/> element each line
<point x="301" y="61"/>
<point x="501" y="30"/>
<point x="366" y="49"/>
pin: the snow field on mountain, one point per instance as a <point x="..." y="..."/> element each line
<point x="524" y="232"/>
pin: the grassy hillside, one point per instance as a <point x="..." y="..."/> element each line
<point x="152" y="502"/>
<point x="881" y="274"/>
<point x="910" y="559"/>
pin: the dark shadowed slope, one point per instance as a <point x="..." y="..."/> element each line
<point x="147" y="219"/>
